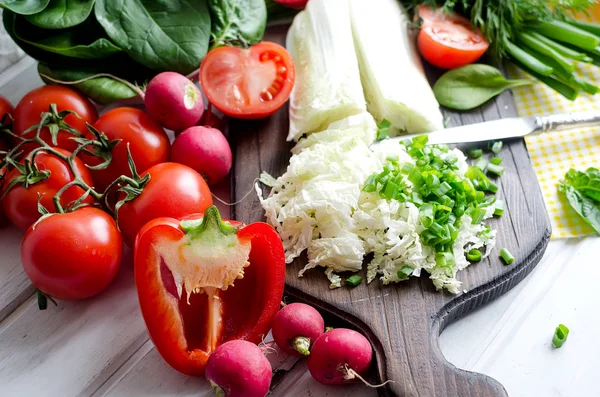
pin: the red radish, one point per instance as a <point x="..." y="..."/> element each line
<point x="238" y="368"/>
<point x="296" y="327"/>
<point x="293" y="3"/>
<point x="338" y="356"/>
<point x="174" y="101"/>
<point x="204" y="149"/>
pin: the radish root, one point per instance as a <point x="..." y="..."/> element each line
<point x="350" y="374"/>
<point x="267" y="347"/>
<point x="302" y="345"/>
<point x="240" y="200"/>
<point x="133" y="87"/>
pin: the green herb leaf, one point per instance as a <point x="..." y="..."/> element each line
<point x="587" y="208"/>
<point x="61" y="14"/>
<point x="470" y="86"/>
<point x="237" y="22"/>
<point x="162" y="35"/>
<point x="102" y="90"/>
<point x="24" y="7"/>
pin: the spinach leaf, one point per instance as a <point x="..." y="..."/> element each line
<point x="102" y="90"/>
<point x="237" y="22"/>
<point x="584" y="206"/>
<point x="160" y="34"/>
<point x="61" y="14"/>
<point x="470" y="86"/>
<point x="83" y="41"/>
<point x="587" y="182"/>
<point x="24" y="7"/>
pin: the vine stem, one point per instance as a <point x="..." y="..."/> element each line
<point x="133" y="87"/>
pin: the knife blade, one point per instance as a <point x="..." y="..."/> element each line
<point x="513" y="127"/>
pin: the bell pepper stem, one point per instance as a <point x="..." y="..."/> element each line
<point x="210" y="224"/>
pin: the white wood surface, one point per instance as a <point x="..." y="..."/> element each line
<point x="99" y="347"/>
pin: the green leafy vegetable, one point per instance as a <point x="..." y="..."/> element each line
<point x="237" y="22"/>
<point x="24" y="7"/>
<point x="162" y="35"/>
<point x="582" y="190"/>
<point x="470" y="86"/>
<point x="61" y="14"/>
<point x="560" y="336"/>
<point x="84" y="41"/>
<point x="102" y="90"/>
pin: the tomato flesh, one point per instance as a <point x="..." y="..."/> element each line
<point x="449" y="40"/>
<point x="248" y="83"/>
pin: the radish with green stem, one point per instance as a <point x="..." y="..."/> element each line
<point x="339" y="356"/>
<point x="296" y="327"/>
<point x="204" y="149"/>
<point x="239" y="368"/>
<point x="174" y="101"/>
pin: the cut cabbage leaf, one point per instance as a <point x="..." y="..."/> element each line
<point x="395" y="86"/>
<point x="328" y="86"/>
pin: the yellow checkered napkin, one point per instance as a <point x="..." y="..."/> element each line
<point x="554" y="153"/>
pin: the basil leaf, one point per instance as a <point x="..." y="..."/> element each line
<point x="160" y="34"/>
<point x="237" y="22"/>
<point x="472" y="85"/>
<point x="24" y="7"/>
<point x="102" y="90"/>
<point x="84" y="41"/>
<point x="584" y="206"/>
<point x="61" y="14"/>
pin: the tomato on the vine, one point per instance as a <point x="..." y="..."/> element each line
<point x="27" y="113"/>
<point x="248" y="83"/>
<point x="21" y="203"/>
<point x="73" y="255"/>
<point x="148" y="143"/>
<point x="6" y="111"/>
<point x="174" y="190"/>
<point x="449" y="40"/>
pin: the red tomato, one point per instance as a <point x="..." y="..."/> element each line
<point x="27" y="113"/>
<point x="73" y="255"/>
<point x="6" y="108"/>
<point x="148" y="142"/>
<point x="449" y="40"/>
<point x="248" y="83"/>
<point x="3" y="219"/>
<point x="21" y="203"/>
<point x="174" y="191"/>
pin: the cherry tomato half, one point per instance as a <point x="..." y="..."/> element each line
<point x="21" y="203"/>
<point x="148" y="143"/>
<point x="27" y="113"/>
<point x="449" y="40"/>
<point x="174" y="190"/>
<point x="74" y="255"/>
<point x="248" y="83"/>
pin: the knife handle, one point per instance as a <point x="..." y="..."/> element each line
<point x="566" y="121"/>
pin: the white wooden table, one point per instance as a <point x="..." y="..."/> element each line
<point x="99" y="347"/>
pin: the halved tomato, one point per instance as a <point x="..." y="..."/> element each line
<point x="449" y="40"/>
<point x="248" y="83"/>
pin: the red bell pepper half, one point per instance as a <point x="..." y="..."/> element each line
<point x="202" y="281"/>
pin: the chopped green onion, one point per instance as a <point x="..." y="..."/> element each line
<point x="474" y="255"/>
<point x="496" y="161"/>
<point x="560" y="336"/>
<point x="506" y="256"/>
<point x="444" y="259"/>
<point x="353" y="281"/>
<point x="405" y="272"/>
<point x="382" y="130"/>
<point x="495" y="169"/>
<point x="492" y="188"/>
<point x="481" y="164"/>
<point x="370" y="184"/>
<point x="495" y="146"/>
<point x="499" y="210"/>
<point x="475" y="153"/>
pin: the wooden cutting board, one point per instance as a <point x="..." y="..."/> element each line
<point x="403" y="321"/>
